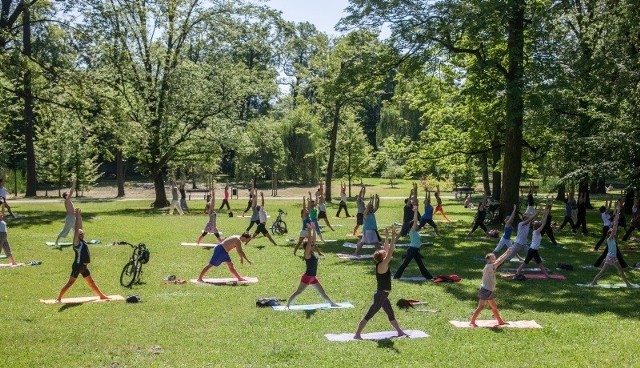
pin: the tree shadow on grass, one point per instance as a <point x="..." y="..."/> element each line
<point x="388" y="344"/>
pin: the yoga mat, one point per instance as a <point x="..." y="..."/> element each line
<point x="3" y="256"/>
<point x="353" y="245"/>
<point x="413" y="279"/>
<point x="9" y="265"/>
<point x="610" y="286"/>
<point x="351" y="256"/>
<point x="514" y="269"/>
<point x="308" y="307"/>
<point x="226" y="281"/>
<point x="268" y="216"/>
<point x="202" y="245"/>
<point x="371" y="246"/>
<point x="327" y="241"/>
<point x="493" y="324"/>
<point x="83" y="299"/>
<point x="66" y="244"/>
<point x="384" y="335"/>
<point x="590" y="267"/>
<point x="534" y="276"/>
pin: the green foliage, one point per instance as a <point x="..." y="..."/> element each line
<point x="261" y="151"/>
<point x="353" y="152"/>
<point x="303" y="144"/>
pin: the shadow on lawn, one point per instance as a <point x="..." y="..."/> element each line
<point x="64" y="307"/>
<point x="388" y="344"/>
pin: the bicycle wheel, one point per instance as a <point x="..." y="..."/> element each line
<point x="138" y="272"/>
<point x="128" y="275"/>
<point x="281" y="228"/>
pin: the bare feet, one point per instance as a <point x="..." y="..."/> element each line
<point x="357" y="337"/>
<point x="103" y="297"/>
<point x="402" y="334"/>
<point x="241" y="279"/>
<point x="501" y="322"/>
<point x="473" y="324"/>
<point x="200" y="280"/>
<point x="334" y="305"/>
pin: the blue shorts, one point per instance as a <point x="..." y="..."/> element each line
<point x="219" y="255"/>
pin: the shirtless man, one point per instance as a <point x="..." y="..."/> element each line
<point x="70" y="219"/>
<point x="221" y="255"/>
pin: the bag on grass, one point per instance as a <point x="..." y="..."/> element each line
<point x="266" y="302"/>
<point x="565" y="266"/>
<point x="519" y="277"/>
<point x="133" y="299"/>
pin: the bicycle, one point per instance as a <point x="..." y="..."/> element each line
<point x="279" y="227"/>
<point x="493" y="212"/>
<point x="132" y="271"/>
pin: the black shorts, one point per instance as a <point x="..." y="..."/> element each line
<point x="261" y="229"/>
<point x="533" y="254"/>
<point x="79" y="269"/>
<point x="406" y="226"/>
<point x="322" y="214"/>
<point x="360" y="218"/>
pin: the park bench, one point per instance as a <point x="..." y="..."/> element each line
<point x="204" y="191"/>
<point x="462" y="191"/>
<point x="524" y="190"/>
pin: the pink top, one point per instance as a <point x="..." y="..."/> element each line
<point x="226" y="193"/>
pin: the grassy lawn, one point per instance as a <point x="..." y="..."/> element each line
<point x="200" y="325"/>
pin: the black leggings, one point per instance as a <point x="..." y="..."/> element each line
<point x="582" y="221"/>
<point x="342" y="206"/>
<point x="605" y="230"/>
<point x="549" y="231"/>
<point x="628" y="233"/>
<point x="568" y="220"/>
<point x="224" y="203"/>
<point x="604" y="255"/>
<point x="479" y="223"/>
<point x="413" y="253"/>
<point x="380" y="300"/>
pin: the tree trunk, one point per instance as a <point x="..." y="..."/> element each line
<point x="562" y="195"/>
<point x="496" y="174"/>
<point x="484" y="167"/>
<point x="27" y="113"/>
<point x="515" y="107"/>
<point x="158" y="185"/>
<point x="120" y="173"/>
<point x="583" y="187"/>
<point x="332" y="150"/>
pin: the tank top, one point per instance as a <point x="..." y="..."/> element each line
<point x="370" y="222"/>
<point x="313" y="213"/>
<point x="481" y="215"/>
<point x="322" y="207"/>
<point x="611" y="248"/>
<point x="81" y="253"/>
<point x="312" y="265"/>
<point x="428" y="212"/>
<point x="383" y="279"/>
<point x="305" y="221"/>
<point x="507" y="232"/>
<point x="343" y="196"/>
<point x="212" y="218"/>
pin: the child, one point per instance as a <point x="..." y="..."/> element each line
<point x="487" y="289"/>
<point x="612" y="250"/>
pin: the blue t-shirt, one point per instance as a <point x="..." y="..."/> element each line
<point x="414" y="239"/>
<point x="507" y="232"/>
<point x="428" y="212"/>
<point x="306" y="221"/>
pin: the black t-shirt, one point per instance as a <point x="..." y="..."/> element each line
<point x="81" y="253"/>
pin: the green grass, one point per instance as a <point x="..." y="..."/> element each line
<point x="199" y="325"/>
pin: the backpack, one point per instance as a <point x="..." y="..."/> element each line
<point x="133" y="299"/>
<point x="447" y="278"/>
<point x="565" y="266"/>
<point x="266" y="302"/>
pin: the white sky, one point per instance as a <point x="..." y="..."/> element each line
<point x="324" y="14"/>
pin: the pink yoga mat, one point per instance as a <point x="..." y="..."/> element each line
<point x="84" y="299"/>
<point x="534" y="276"/>
<point x="493" y="324"/>
<point x="225" y="281"/>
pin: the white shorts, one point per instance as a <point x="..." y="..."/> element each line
<point x="69" y="223"/>
<point x="304" y="233"/>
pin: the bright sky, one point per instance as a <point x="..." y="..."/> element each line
<point x="324" y="14"/>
